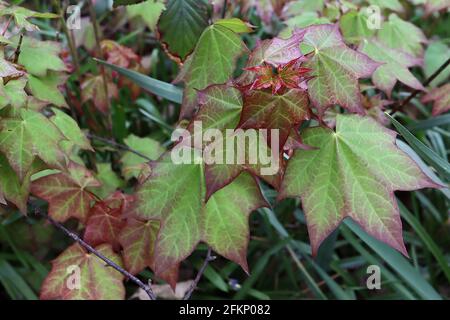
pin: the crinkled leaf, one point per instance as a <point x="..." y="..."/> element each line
<point x="149" y="11"/>
<point x="399" y="34"/>
<point x="40" y="56"/>
<point x="28" y="135"/>
<point x="440" y="97"/>
<point x="181" y="25"/>
<point x="67" y="193"/>
<point x="335" y="69"/>
<point x="175" y="195"/>
<point x="213" y="62"/>
<point x="138" y="239"/>
<point x="98" y="281"/>
<point x="132" y="164"/>
<point x="353" y="173"/>
<point x="395" y="66"/>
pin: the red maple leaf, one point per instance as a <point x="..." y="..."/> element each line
<point x="289" y="75"/>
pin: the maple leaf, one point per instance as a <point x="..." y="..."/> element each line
<point x="441" y="98"/>
<point x="67" y="193"/>
<point x="212" y="62"/>
<point x="40" y="56"/>
<point x="181" y="25"/>
<point x="46" y="88"/>
<point x="274" y="52"/>
<point x="106" y="221"/>
<point x="27" y="135"/>
<point x="70" y="129"/>
<point x="275" y="111"/>
<point x="174" y="194"/>
<point x="92" y="88"/>
<point x="132" y="164"/>
<point x="13" y="93"/>
<point x="12" y="188"/>
<point x="220" y="109"/>
<point x="289" y="75"/>
<point x="108" y="178"/>
<point x="399" y="34"/>
<point x="335" y="69"/>
<point x="353" y="173"/>
<point x="395" y="66"/>
<point x="354" y="26"/>
<point x="138" y="239"/>
<point x="97" y="280"/>
<point x="149" y="11"/>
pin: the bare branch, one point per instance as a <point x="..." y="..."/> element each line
<point x="207" y="260"/>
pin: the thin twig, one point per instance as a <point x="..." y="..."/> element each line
<point x="427" y="82"/>
<point x="224" y="8"/>
<point x="108" y="261"/>
<point x="17" y="52"/>
<point x="117" y="145"/>
<point x="207" y="260"/>
<point x="7" y="25"/>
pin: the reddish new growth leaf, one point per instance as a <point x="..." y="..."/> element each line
<point x="93" y="88"/>
<point x="289" y="75"/>
<point x="283" y="54"/>
<point x="106" y="220"/>
<point x="67" y="193"/>
<point x="275" y="111"/>
<point x="441" y="98"/>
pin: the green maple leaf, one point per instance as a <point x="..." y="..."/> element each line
<point x="395" y="66"/>
<point x="13" y="93"/>
<point x="441" y="98"/>
<point x="28" y="135"/>
<point x="212" y="62"/>
<point x="353" y="173"/>
<point x="12" y="188"/>
<point x="132" y="164"/>
<point x="67" y="192"/>
<point x="354" y="26"/>
<point x="97" y="280"/>
<point x="174" y="194"/>
<point x="335" y="69"/>
<point x="40" y="56"/>
<point x="181" y="25"/>
<point x="138" y="239"/>
<point x="399" y="34"/>
<point x="70" y="129"/>
<point x="109" y="179"/>
<point x="149" y="11"/>
<point x="21" y="16"/>
<point x="46" y="88"/>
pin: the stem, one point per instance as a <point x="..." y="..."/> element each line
<point x="17" y="52"/>
<point x="7" y="25"/>
<point x="100" y="55"/>
<point x="207" y="260"/>
<point x="427" y="82"/>
<point x="118" y="145"/>
<point x="224" y="8"/>
<point x="89" y="248"/>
